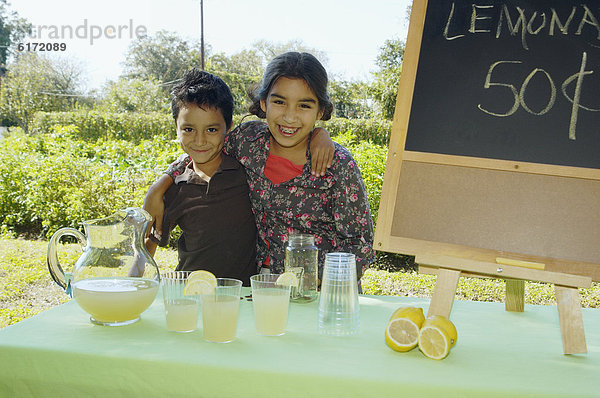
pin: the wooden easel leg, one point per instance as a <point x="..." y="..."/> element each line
<point x="571" y="320"/>
<point x="444" y="292"/>
<point x="515" y="295"/>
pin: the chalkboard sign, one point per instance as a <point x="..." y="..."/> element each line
<point x="513" y="79"/>
<point x="495" y="144"/>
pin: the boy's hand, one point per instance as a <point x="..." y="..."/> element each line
<point x="321" y="152"/>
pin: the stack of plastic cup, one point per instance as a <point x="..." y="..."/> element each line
<point x="339" y="312"/>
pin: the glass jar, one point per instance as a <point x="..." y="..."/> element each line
<point x="301" y="258"/>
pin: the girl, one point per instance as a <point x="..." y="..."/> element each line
<point x="286" y="198"/>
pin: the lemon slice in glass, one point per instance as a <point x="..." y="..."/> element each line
<point x="204" y="276"/>
<point x="198" y="286"/>
<point x="434" y="342"/>
<point x="287" y="279"/>
<point x="402" y="334"/>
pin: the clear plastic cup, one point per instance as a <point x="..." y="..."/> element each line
<point x="181" y="311"/>
<point x="220" y="311"/>
<point x="339" y="312"/>
<point x="270" y="302"/>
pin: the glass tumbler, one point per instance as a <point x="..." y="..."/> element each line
<point x="301" y="258"/>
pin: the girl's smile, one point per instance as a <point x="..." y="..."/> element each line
<point x="288" y="131"/>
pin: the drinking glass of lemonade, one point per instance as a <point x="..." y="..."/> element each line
<point x="220" y="308"/>
<point x="271" y="302"/>
<point x="181" y="310"/>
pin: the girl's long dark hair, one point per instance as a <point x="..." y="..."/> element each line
<point x="294" y="65"/>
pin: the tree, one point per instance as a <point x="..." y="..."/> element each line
<point x="134" y="95"/>
<point x="164" y="57"/>
<point x="12" y="30"/>
<point x="33" y="83"/>
<point x="350" y="99"/>
<point x="270" y="50"/>
<point x="241" y="71"/>
<point x="385" y="87"/>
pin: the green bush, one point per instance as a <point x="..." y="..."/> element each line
<point x="131" y="126"/>
<point x="82" y="166"/>
<point x="94" y="125"/>
<point x="377" y="131"/>
<point x="371" y="160"/>
<point x="54" y="180"/>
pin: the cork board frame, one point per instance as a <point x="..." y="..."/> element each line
<point x="479" y="208"/>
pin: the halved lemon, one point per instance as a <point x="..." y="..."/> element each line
<point x="445" y="324"/>
<point x="402" y="334"/>
<point x="198" y="286"/>
<point x="204" y="276"/>
<point x="434" y="342"/>
<point x="287" y="279"/>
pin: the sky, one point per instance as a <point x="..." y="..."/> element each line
<point x="350" y="32"/>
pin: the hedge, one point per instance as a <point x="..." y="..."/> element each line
<point x="57" y="179"/>
<point x="92" y="125"/>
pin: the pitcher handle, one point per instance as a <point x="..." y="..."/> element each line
<point x="62" y="278"/>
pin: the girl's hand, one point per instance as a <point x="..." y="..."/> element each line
<point x="154" y="204"/>
<point x="321" y="152"/>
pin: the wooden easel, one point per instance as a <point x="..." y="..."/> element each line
<point x="449" y="269"/>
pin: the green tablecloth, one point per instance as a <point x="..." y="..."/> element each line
<point x="498" y="354"/>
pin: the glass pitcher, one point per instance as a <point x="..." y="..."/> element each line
<point x="115" y="279"/>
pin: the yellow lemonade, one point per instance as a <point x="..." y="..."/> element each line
<point x="182" y="314"/>
<point x="219" y="317"/>
<point x="115" y="300"/>
<point x="270" y="310"/>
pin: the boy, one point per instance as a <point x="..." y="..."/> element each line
<point x="209" y="200"/>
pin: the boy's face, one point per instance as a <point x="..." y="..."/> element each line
<point x="201" y="134"/>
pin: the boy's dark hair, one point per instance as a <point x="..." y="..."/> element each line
<point x="294" y="65"/>
<point x="203" y="89"/>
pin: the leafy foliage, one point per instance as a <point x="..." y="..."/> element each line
<point x="413" y="284"/>
<point x="387" y="79"/>
<point x="371" y="160"/>
<point x="12" y="30"/>
<point x="33" y="84"/>
<point x="377" y="131"/>
<point x="53" y="180"/>
<point x="65" y="175"/>
<point x="241" y="71"/>
<point x="134" y="95"/>
<point x="350" y="99"/>
<point x="94" y="125"/>
<point x="163" y="57"/>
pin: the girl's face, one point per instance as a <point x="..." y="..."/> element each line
<point x="292" y="109"/>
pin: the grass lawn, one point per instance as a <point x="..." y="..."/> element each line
<point x="26" y="287"/>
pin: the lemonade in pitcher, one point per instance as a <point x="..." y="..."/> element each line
<point x="115" y="300"/>
<point x="115" y="279"/>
